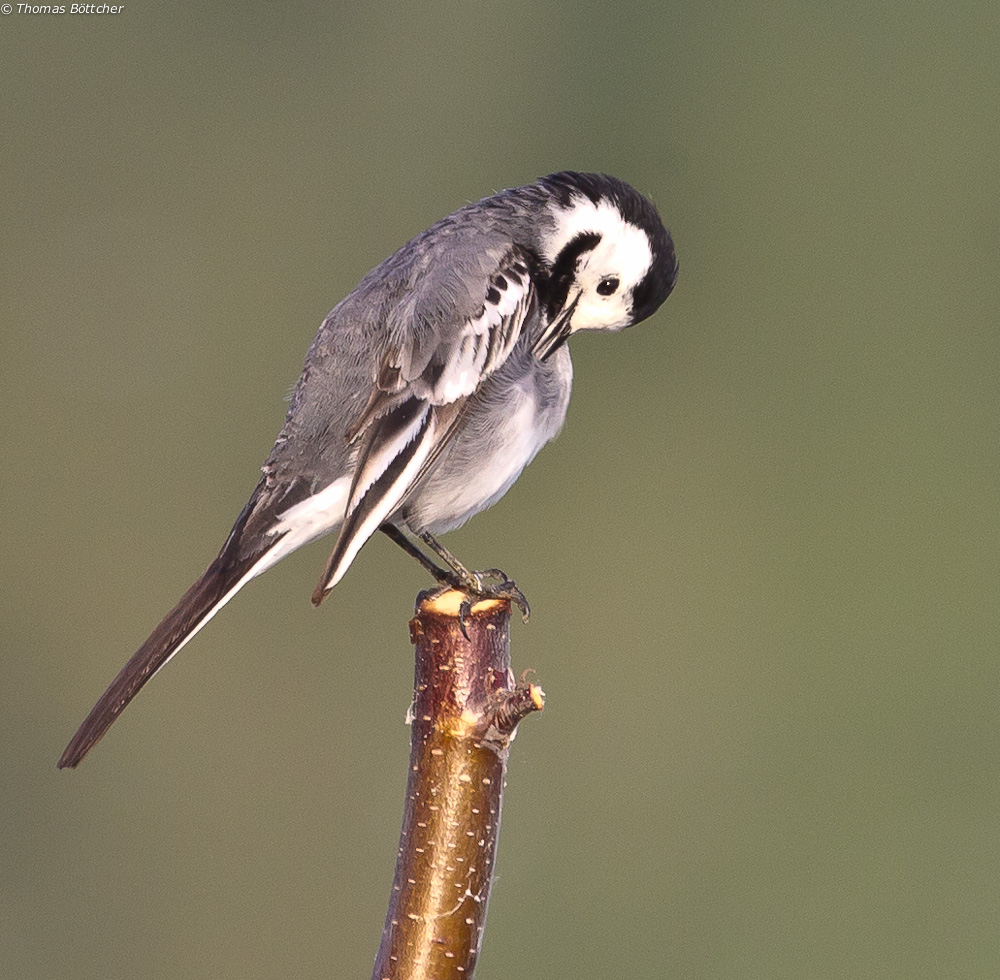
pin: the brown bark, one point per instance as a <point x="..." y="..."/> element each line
<point x="465" y="710"/>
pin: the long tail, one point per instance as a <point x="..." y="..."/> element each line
<point x="273" y="524"/>
<point x="199" y="604"/>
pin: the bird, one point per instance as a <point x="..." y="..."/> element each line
<point x="426" y="392"/>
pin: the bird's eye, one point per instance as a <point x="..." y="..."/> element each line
<point x="608" y="285"/>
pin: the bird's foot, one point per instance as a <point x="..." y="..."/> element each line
<point x="476" y="587"/>
<point x="473" y="584"/>
<point x="457" y="576"/>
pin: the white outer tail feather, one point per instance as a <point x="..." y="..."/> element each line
<point x="305" y="522"/>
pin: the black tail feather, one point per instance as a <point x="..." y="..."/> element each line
<point x="247" y="544"/>
<point x="197" y="604"/>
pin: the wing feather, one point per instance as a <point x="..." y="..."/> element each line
<point x="408" y="421"/>
<point x="396" y="447"/>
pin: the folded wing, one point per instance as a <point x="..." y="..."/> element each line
<point x="416" y="404"/>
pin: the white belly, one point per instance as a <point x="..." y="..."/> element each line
<point x="494" y="443"/>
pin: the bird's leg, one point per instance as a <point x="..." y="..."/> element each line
<point x="459" y="577"/>
<point x="441" y="575"/>
<point x="472" y="582"/>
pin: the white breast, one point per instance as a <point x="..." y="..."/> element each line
<point x="496" y="440"/>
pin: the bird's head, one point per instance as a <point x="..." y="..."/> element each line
<point x="610" y="261"/>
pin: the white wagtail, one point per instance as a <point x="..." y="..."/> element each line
<point x="428" y="389"/>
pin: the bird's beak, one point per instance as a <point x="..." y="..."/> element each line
<point x="558" y="331"/>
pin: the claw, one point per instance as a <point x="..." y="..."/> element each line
<point x="476" y="590"/>
<point x="463" y="615"/>
<point x="460" y="578"/>
<point x="509" y="590"/>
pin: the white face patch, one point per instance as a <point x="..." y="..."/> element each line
<point x="623" y="253"/>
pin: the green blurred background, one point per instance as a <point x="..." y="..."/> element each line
<point x="762" y="557"/>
